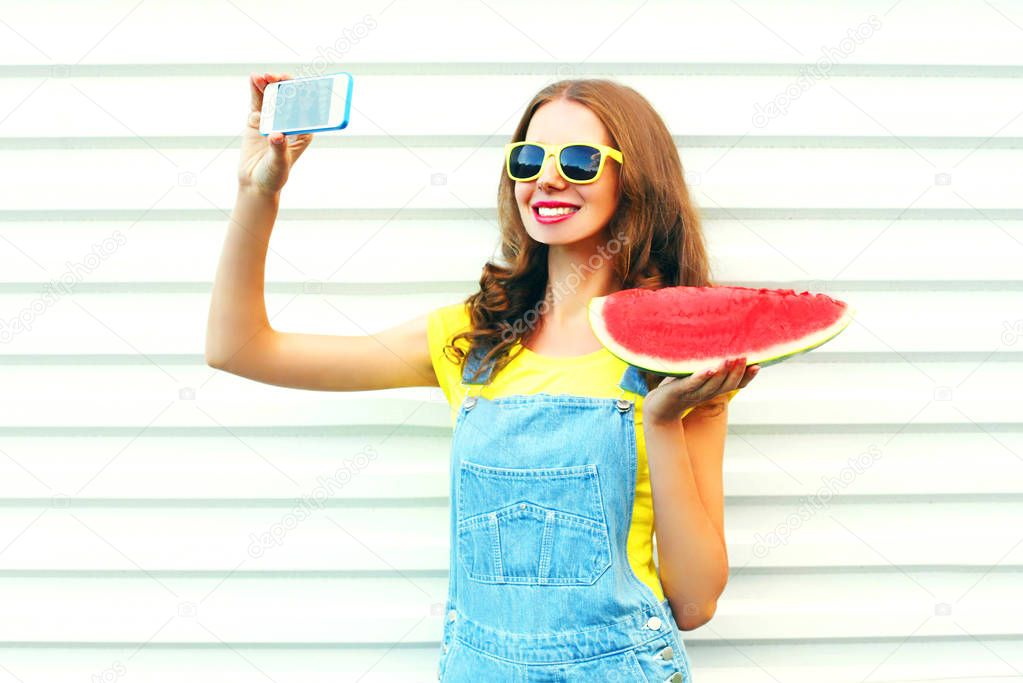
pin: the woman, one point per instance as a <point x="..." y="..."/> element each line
<point x="562" y="455"/>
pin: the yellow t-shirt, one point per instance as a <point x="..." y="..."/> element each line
<point x="594" y="374"/>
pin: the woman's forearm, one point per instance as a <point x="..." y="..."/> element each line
<point x="692" y="561"/>
<point x="237" y="306"/>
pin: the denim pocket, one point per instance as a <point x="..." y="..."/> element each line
<point x="535" y="526"/>
<point x="618" y="667"/>
<point x="467" y="664"/>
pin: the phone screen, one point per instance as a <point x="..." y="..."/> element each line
<point x="302" y="104"/>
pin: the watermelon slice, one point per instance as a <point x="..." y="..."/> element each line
<point x="682" y="330"/>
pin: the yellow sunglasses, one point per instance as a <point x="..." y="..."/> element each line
<point x="577" y="162"/>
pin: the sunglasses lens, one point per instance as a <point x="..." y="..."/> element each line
<point x="525" y="161"/>
<point x="580" y="162"/>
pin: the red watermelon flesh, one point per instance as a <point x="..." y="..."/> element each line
<point x="682" y="330"/>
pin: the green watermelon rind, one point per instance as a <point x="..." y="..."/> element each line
<point x="771" y="357"/>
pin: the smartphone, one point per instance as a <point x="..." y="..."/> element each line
<point x="307" y="105"/>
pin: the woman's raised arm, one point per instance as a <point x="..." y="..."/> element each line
<point x="239" y="337"/>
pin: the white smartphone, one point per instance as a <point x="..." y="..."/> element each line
<point x="307" y="105"/>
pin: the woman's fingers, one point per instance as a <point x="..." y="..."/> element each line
<point x="735" y="376"/>
<point x="740" y="375"/>
<point x="696" y="386"/>
<point x="257" y="84"/>
<point x="748" y="376"/>
<point x="725" y="377"/>
<point x="704" y="385"/>
<point x="722" y="377"/>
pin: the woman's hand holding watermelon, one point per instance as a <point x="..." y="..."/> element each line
<point x="665" y="403"/>
<point x="686" y="323"/>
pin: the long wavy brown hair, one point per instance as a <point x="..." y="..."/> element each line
<point x="662" y="243"/>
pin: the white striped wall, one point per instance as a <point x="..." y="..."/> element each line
<point x="134" y="477"/>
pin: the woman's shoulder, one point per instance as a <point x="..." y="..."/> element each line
<point x="442" y="324"/>
<point x="445" y="321"/>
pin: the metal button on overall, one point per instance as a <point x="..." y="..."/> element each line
<point x="623" y="404"/>
<point x="666" y="654"/>
<point x="653" y="623"/>
<point x="675" y="678"/>
<point x="469" y="402"/>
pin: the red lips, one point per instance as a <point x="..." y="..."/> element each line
<point x="553" y="205"/>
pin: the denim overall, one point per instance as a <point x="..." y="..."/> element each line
<point x="540" y="589"/>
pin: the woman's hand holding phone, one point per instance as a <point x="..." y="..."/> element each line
<point x="267" y="160"/>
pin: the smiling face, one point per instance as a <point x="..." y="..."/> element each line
<point x="556" y="122"/>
